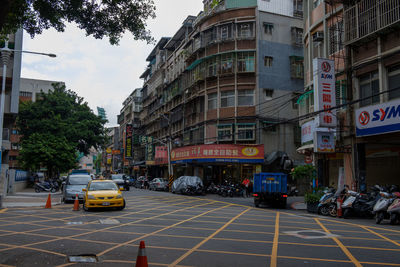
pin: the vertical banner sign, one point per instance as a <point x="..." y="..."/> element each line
<point x="324" y="91"/>
<point x="128" y="141"/>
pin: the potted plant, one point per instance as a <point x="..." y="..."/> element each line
<point x="312" y="200"/>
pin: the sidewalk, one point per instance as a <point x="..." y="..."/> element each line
<point x="29" y="198"/>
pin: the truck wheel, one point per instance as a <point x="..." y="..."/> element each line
<point x="282" y="204"/>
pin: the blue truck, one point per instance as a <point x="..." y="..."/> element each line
<point x="270" y="189"/>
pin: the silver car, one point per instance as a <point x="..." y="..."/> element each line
<point x="158" y="184"/>
<point x="74" y="185"/>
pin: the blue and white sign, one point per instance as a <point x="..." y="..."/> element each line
<point x="378" y="119"/>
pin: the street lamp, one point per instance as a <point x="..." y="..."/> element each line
<point x="5" y="57"/>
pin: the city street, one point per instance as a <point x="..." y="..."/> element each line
<point x="192" y="231"/>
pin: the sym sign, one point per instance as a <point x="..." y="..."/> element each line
<point x="378" y="119"/>
<point x="324" y="91"/>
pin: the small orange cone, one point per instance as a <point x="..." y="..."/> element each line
<point x="141" y="260"/>
<point x="76" y="203"/>
<point x="48" y="202"/>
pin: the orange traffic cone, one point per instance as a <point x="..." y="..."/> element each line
<point x="141" y="260"/>
<point x="48" y="202"/>
<point x="76" y="203"/>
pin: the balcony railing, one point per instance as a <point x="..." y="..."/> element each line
<point x="368" y="17"/>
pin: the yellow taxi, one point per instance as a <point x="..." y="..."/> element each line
<point x="103" y="194"/>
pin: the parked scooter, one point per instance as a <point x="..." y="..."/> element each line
<point x="394" y="209"/>
<point x="362" y="204"/>
<point x="325" y="201"/>
<point x="292" y="190"/>
<point x="381" y="206"/>
<point x="45" y="186"/>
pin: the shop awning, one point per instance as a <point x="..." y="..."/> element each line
<point x="303" y="148"/>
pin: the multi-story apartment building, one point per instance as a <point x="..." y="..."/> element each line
<point x="12" y="80"/>
<point x="129" y="115"/>
<point x="220" y="86"/>
<point x="324" y="38"/>
<point x="373" y="42"/>
<point x="361" y="37"/>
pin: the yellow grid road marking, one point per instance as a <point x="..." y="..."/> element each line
<point x="343" y="248"/>
<point x="61" y="238"/>
<point x="3" y="210"/>
<point x="381" y="236"/>
<point x="274" y="253"/>
<point x="165" y="228"/>
<point x="208" y="238"/>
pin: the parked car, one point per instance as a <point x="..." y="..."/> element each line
<point x="183" y="183"/>
<point x="121" y="180"/>
<point x="73" y="185"/>
<point x="158" y="184"/>
<point x="103" y="194"/>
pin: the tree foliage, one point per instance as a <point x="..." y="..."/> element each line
<point x="99" y="18"/>
<point x="55" y="127"/>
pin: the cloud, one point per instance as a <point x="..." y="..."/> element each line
<point x="103" y="74"/>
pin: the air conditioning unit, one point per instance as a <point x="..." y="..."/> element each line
<point x="318" y="36"/>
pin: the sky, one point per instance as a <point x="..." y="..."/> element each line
<point x="104" y="75"/>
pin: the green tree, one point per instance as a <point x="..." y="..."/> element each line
<point x="100" y="18"/>
<point x="55" y="127"/>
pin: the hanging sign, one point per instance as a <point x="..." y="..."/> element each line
<point x="324" y="142"/>
<point x="324" y="91"/>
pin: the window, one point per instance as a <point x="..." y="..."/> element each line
<point x="25" y="94"/>
<point x="226" y="63"/>
<point x="212" y="67"/>
<point x="227" y="99"/>
<point x="394" y="82"/>
<point x="246" y="62"/>
<point x="14" y="146"/>
<point x="245" y="30"/>
<point x="296" y="67"/>
<point x="336" y="37"/>
<point x="212" y="101"/>
<point x="298" y="8"/>
<point x="369" y="86"/>
<point x="245" y="131"/>
<point x="341" y="92"/>
<point x="210" y="36"/>
<point x="268" y="27"/>
<point x="226" y="32"/>
<point x="12" y="158"/>
<point x="225" y="132"/>
<point x="268" y="61"/>
<point x="297" y="36"/>
<point x="268" y="93"/>
<point x="246" y="97"/>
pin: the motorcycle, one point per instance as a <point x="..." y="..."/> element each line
<point x="292" y="190"/>
<point x="362" y="204"/>
<point x="381" y="206"/>
<point x="394" y="209"/>
<point x="45" y="186"/>
<point x="325" y="201"/>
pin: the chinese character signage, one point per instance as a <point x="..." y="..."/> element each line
<point x="161" y="156"/>
<point x="324" y="142"/>
<point x="378" y="119"/>
<point x="128" y="141"/>
<point x="307" y="131"/>
<point x="324" y="91"/>
<point x="219" y="153"/>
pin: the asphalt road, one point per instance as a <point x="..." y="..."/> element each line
<point x="192" y="231"/>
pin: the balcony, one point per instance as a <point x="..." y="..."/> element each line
<point x="368" y="17"/>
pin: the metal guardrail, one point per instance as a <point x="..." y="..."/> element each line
<point x="369" y="16"/>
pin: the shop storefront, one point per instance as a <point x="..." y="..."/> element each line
<point x="218" y="163"/>
<point x="378" y="144"/>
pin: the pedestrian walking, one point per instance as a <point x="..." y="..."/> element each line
<point x="246" y="184"/>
